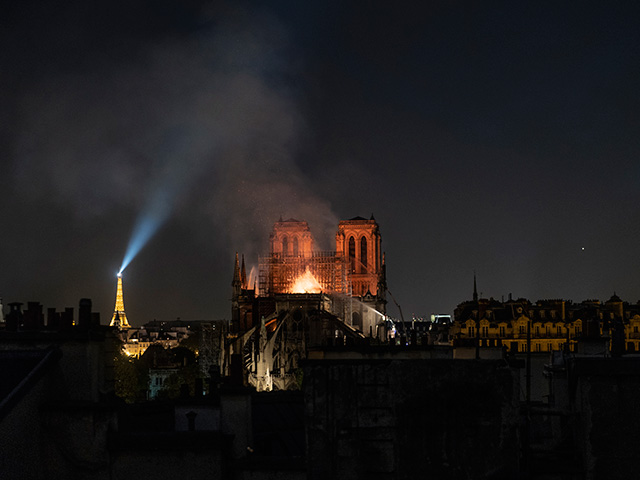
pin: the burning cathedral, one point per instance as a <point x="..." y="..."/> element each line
<point x="304" y="298"/>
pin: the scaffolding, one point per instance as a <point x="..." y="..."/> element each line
<point x="278" y="272"/>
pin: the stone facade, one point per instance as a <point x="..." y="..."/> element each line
<point x="298" y="288"/>
<point x="399" y="416"/>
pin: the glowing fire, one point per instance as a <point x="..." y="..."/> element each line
<point x="306" y="283"/>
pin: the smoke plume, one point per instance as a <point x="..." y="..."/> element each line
<point x="203" y="125"/>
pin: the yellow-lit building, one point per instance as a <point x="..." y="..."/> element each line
<point x="169" y="334"/>
<point x="554" y="324"/>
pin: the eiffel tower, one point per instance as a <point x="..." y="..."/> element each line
<point x="119" y="317"/>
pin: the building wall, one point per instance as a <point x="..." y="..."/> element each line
<point x="602" y="395"/>
<point x="402" y="418"/>
<point x="358" y="241"/>
<point x="58" y="429"/>
<point x="167" y="462"/>
<point x="554" y="324"/>
<point x="291" y="238"/>
<point x="21" y="437"/>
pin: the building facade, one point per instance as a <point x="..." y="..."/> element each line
<point x="353" y="275"/>
<point x="518" y="325"/>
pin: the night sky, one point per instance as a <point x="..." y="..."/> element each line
<point x="495" y="137"/>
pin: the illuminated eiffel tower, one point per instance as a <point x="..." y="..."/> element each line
<point x="119" y="317"/>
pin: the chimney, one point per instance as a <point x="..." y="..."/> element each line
<point x="53" y="319"/>
<point x="33" y="318"/>
<point x="84" y="313"/>
<point x="617" y="338"/>
<point x="66" y="319"/>
<point x="14" y="317"/>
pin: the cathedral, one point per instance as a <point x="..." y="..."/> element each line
<point x="304" y="298"/>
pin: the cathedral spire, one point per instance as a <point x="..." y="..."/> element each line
<point x="119" y="318"/>
<point x="236" y="272"/>
<point x="475" y="288"/>
<point x="236" y="283"/>
<point x="243" y="274"/>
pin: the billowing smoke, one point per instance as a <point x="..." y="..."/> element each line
<point x="201" y="126"/>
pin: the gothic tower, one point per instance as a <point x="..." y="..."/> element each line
<point x="358" y="241"/>
<point x="291" y="238"/>
<point x="119" y="317"/>
<point x="359" y="244"/>
<point x="291" y="251"/>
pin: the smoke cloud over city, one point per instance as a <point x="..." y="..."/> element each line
<point x="499" y="140"/>
<point x="202" y="127"/>
<point x="207" y="118"/>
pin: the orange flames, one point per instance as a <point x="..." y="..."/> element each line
<point x="306" y="283"/>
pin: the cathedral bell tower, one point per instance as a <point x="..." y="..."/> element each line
<point x="359" y="245"/>
<point x="291" y="251"/>
<point x="358" y="241"/>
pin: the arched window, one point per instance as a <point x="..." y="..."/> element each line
<point x="295" y="246"/>
<point x="285" y="246"/>
<point x="363" y="254"/>
<point x="352" y="254"/>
